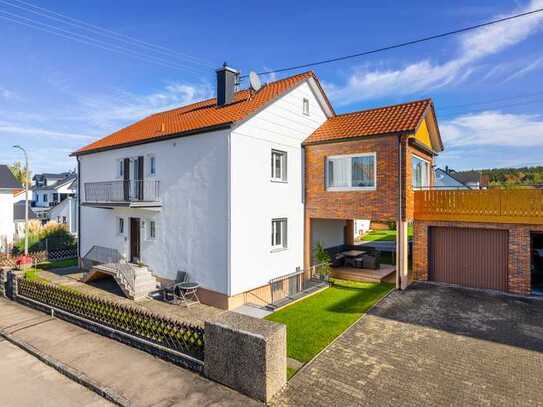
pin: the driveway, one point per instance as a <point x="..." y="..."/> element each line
<point x="431" y="345"/>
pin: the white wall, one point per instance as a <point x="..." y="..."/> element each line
<point x="256" y="200"/>
<point x="7" y="226"/>
<point x="330" y="232"/>
<point x="192" y="223"/>
<point x="68" y="209"/>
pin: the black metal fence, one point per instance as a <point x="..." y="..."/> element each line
<point x="122" y="191"/>
<point x="154" y="329"/>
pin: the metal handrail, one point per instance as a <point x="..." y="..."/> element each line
<point x="122" y="191"/>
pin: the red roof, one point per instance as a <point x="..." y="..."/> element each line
<point x="198" y="116"/>
<point x="383" y="120"/>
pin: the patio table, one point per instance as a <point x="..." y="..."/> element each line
<point x="353" y="253"/>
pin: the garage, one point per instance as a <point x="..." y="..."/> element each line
<point x="468" y="257"/>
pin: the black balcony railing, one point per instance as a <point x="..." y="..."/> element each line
<point x="122" y="191"/>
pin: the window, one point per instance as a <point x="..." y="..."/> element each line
<point x="151" y="230"/>
<point x="120" y="168"/>
<point x="152" y="165"/>
<point x="351" y="172"/>
<point x="306" y="106"/>
<point x="58" y="219"/>
<point x="279" y="234"/>
<point x="44" y="197"/>
<point x="120" y="226"/>
<point x="64" y="220"/>
<point x="279" y="165"/>
<point x="421" y="172"/>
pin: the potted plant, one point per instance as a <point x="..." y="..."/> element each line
<point x="323" y="262"/>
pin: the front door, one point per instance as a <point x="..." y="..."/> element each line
<point x="135" y="240"/>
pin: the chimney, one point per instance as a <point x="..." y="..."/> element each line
<point x="226" y="81"/>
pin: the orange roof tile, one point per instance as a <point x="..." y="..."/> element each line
<point x="195" y="117"/>
<point x="390" y="119"/>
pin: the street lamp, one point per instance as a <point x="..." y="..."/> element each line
<point x="26" y="195"/>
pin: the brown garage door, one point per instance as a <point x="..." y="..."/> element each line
<point x="469" y="257"/>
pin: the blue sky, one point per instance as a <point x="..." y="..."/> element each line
<point x="57" y="94"/>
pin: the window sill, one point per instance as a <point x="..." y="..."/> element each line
<point x="346" y="189"/>
<point x="278" y="249"/>
<point x="279" y="181"/>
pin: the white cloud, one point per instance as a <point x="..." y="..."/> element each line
<point x="7" y="94"/>
<point x="493" y="128"/>
<point x="367" y="82"/>
<point x="117" y="109"/>
<point x="15" y="129"/>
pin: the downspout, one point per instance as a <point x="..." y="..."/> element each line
<point x="400" y="173"/>
<point x="78" y="220"/>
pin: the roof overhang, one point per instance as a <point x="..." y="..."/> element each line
<point x="421" y="146"/>
<point x="153" y="139"/>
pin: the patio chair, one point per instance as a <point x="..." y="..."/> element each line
<point x="338" y="260"/>
<point x="372" y="260"/>
<point x="169" y="289"/>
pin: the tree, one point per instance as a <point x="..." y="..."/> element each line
<point x="19" y="171"/>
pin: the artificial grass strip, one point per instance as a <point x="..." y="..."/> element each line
<point x="316" y="321"/>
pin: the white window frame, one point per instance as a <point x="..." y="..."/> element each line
<point x="428" y="166"/>
<point x="151" y="158"/>
<point x="351" y="156"/>
<point x="121" y="226"/>
<point x="149" y="229"/>
<point x="283" y="243"/>
<point x="284" y="166"/>
<point x="305" y="106"/>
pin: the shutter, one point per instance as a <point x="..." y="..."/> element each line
<point x="126" y="179"/>
<point x="140" y="177"/>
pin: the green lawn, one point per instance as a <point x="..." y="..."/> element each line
<point x="385" y="235"/>
<point x="314" y="322"/>
<point x="57" y="264"/>
<point x="33" y="274"/>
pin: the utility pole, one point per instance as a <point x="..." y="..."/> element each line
<point x="27" y="168"/>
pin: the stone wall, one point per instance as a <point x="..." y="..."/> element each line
<point x="518" y="275"/>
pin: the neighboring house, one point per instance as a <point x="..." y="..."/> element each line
<point x="473" y="179"/>
<point x="65" y="213"/>
<point x="19" y="218"/>
<point x="49" y="190"/>
<point x="8" y="187"/>
<point x="446" y="179"/>
<point x="229" y="189"/>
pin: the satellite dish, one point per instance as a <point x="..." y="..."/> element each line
<point x="254" y="81"/>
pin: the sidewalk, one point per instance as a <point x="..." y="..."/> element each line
<point x="134" y="376"/>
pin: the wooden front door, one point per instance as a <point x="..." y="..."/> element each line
<point x="135" y="240"/>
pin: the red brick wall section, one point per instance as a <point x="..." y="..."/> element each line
<point x="519" y="251"/>
<point x="380" y="204"/>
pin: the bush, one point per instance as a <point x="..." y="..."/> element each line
<point x="323" y="259"/>
<point x="50" y="236"/>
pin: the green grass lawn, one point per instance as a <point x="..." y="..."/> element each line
<point x="385" y="235"/>
<point x="57" y="264"/>
<point x="314" y="322"/>
<point x="33" y="274"/>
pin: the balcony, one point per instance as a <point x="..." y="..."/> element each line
<point x="518" y="205"/>
<point x="124" y="193"/>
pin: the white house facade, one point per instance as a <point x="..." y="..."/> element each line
<point x="224" y="204"/>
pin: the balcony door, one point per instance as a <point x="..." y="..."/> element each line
<point x="136" y="175"/>
<point x="135" y="240"/>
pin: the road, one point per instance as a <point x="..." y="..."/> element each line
<point x="25" y="381"/>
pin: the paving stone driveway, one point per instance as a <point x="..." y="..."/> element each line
<point x="431" y="346"/>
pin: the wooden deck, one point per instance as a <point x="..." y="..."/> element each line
<point x="365" y="275"/>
